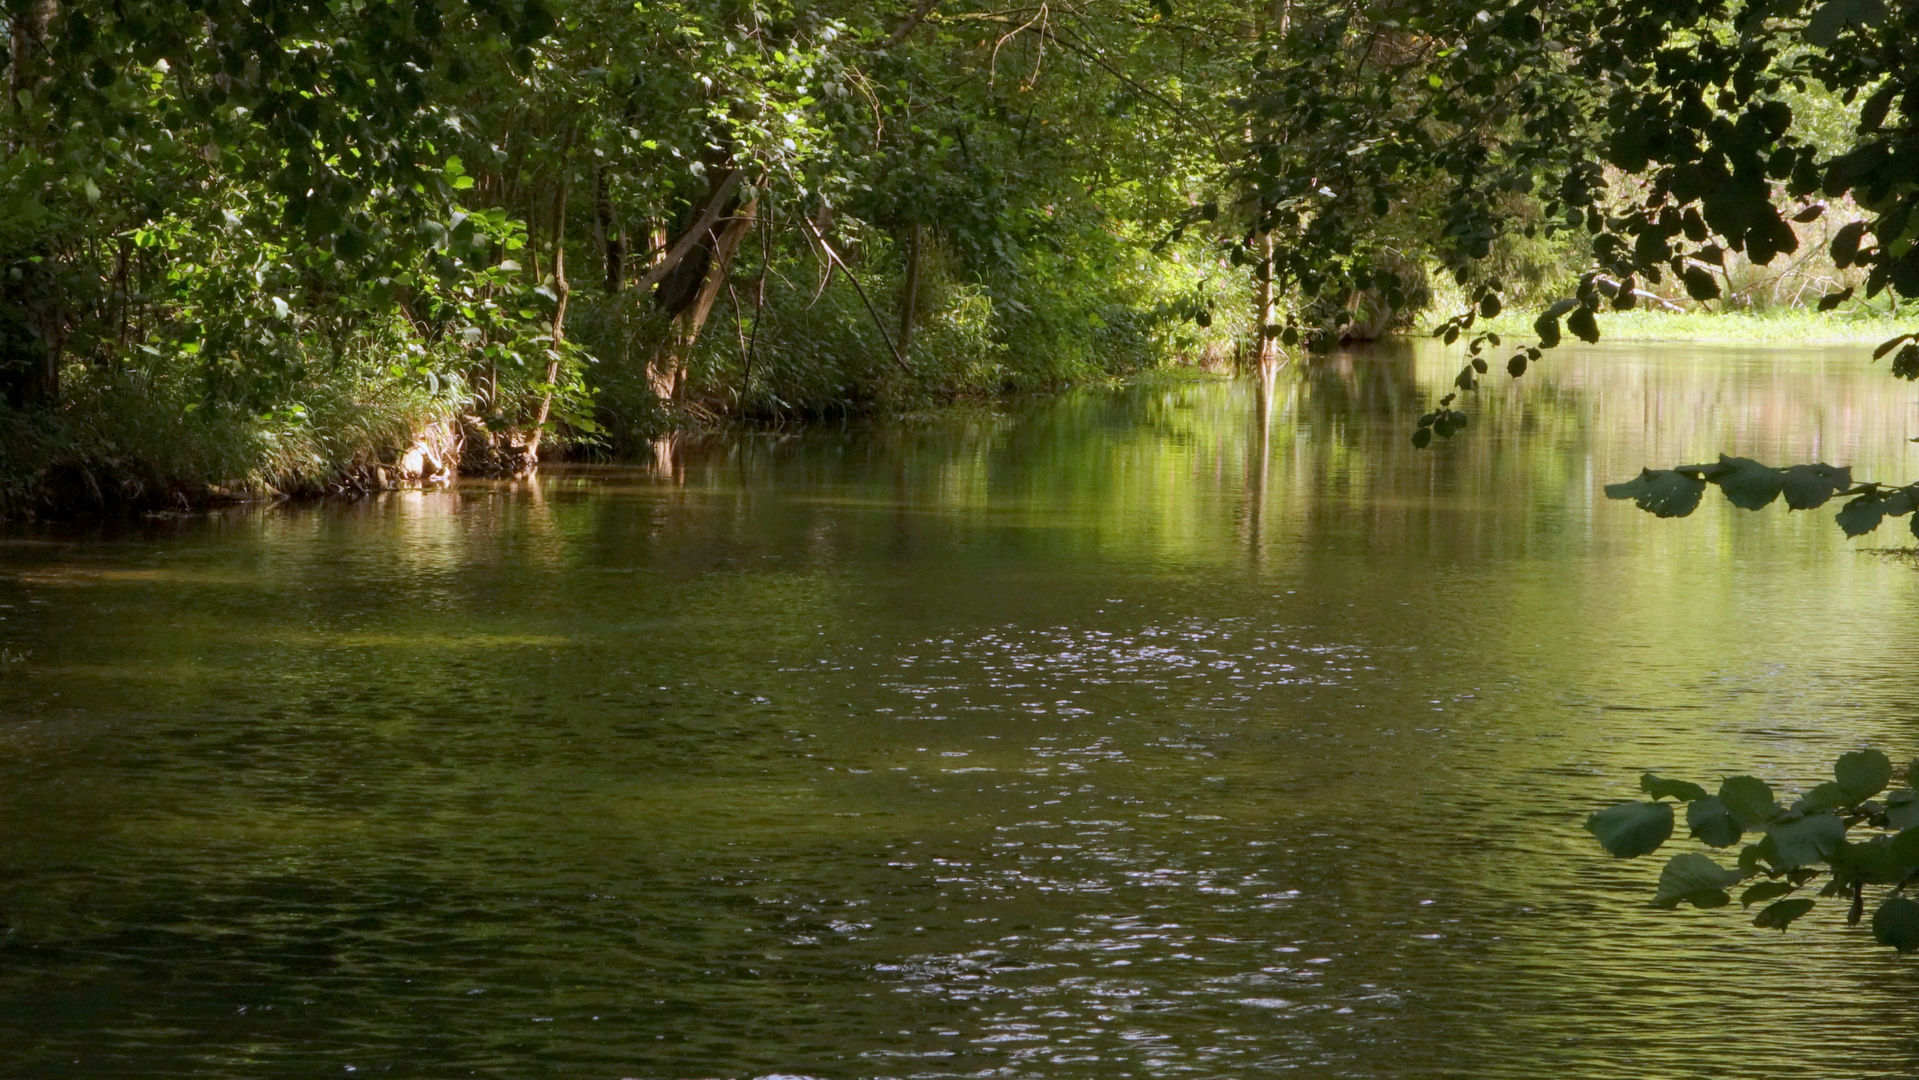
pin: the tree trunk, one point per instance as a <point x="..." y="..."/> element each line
<point x="910" y="289"/>
<point x="27" y="44"/>
<point x="1264" y="353"/>
<point x="31" y="329"/>
<point x="562" y="292"/>
<point x="667" y="372"/>
<point x="612" y="236"/>
<point x="31" y="318"/>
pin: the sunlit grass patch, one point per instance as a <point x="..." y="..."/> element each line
<point x="1781" y="325"/>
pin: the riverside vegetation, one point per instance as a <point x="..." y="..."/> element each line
<point x="302" y="244"/>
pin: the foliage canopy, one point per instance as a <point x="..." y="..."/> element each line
<point x="233" y="205"/>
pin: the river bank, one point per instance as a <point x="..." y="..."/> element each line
<point x="120" y="451"/>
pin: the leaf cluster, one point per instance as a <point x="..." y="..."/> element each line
<point x="1854" y="831"/>
<point x="1751" y="486"/>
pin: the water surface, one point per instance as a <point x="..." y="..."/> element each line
<point x="1135" y="733"/>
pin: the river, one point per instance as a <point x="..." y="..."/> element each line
<point x="1131" y="733"/>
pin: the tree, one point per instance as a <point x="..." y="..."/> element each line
<point x="504" y="211"/>
<point x="1660" y="132"/>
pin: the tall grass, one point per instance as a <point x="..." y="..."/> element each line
<point x="139" y="440"/>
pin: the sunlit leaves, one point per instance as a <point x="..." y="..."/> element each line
<point x="1695" y="110"/>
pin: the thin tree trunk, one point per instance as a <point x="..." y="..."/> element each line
<point x="910" y="289"/>
<point x="1263" y="351"/>
<point x="562" y="292"/>
<point x="27" y="44"/>
<point x="30" y="337"/>
<point x="715" y="208"/>
<point x="611" y="236"/>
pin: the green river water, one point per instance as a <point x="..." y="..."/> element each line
<point x="1124" y="735"/>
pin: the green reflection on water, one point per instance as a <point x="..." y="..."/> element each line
<point x="1132" y="733"/>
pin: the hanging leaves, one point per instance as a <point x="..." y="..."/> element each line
<point x="1836" y="832"/>
<point x="1661" y="492"/>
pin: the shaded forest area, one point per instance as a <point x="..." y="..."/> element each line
<point x="310" y="245"/>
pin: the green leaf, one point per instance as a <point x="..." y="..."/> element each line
<point x="1905" y="847"/>
<point x="1631" y="829"/>
<point x="1765" y="890"/>
<point x="1694" y="879"/>
<point x="1902" y="809"/>
<point x="1548" y="331"/>
<point x="1662" y="492"/>
<point x="1876" y="862"/>
<point x="1863" y="773"/>
<point x="1712" y="823"/>
<point x="1861" y="515"/>
<point x="1682" y="790"/>
<point x="1700" y="284"/>
<point x="1808" y="486"/>
<point x="1746" y="483"/>
<point x="1896" y="923"/>
<point x="1825" y="796"/>
<point x="1582" y="323"/>
<point x="1778" y="916"/>
<point x="1845" y="244"/>
<point x="1749" y="799"/>
<point x="1807" y="840"/>
<point x="1830" y="20"/>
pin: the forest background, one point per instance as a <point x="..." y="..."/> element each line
<point x="311" y="245"/>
